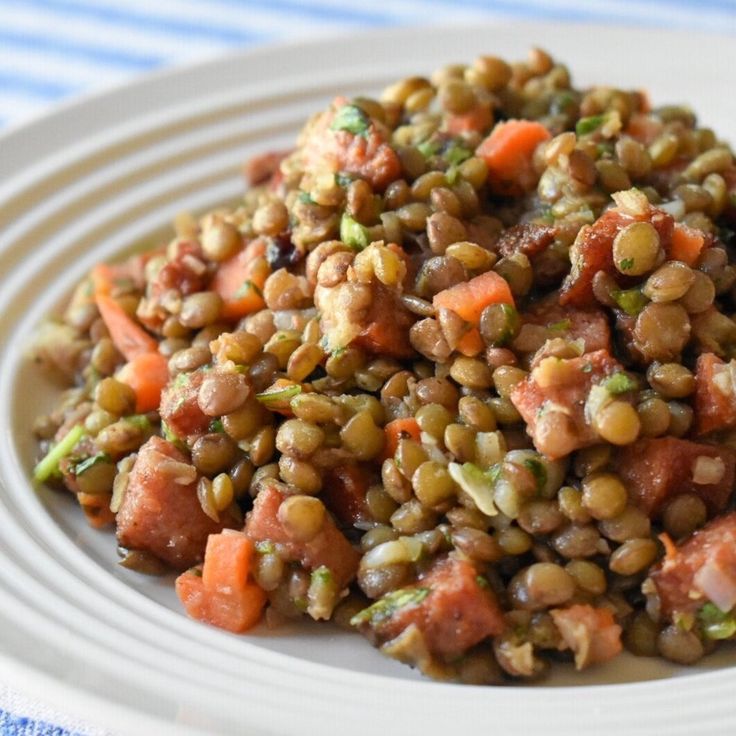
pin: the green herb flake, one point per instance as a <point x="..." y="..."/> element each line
<point x="245" y="288"/>
<point x="49" y="465"/>
<point x="587" y="368"/>
<point x="343" y="180"/>
<point x="428" y="148"/>
<point x="715" y="623"/>
<point x="626" y="264"/>
<point x="322" y="576"/>
<point x="387" y="606"/>
<point x="139" y="421"/>
<point x="452" y="175"/>
<point x="182" y="380"/>
<point x="585" y="126"/>
<point x="265" y="547"/>
<point x="281" y="394"/>
<point x="216" y="426"/>
<point x="482" y="582"/>
<point x="619" y="383"/>
<point x="305" y="198"/>
<point x="456" y="153"/>
<point x="562" y="326"/>
<point x="85" y="465"/>
<point x="632" y="301"/>
<point x="168" y="434"/>
<point x="352" y="233"/>
<point x="352" y="119"/>
<point x="537" y="469"/>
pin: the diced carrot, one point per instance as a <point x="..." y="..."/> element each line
<point x="398" y="430"/>
<point x="508" y="151"/>
<point x="96" y="507"/>
<point x="147" y="374"/>
<point x="644" y="128"/>
<point x="227" y="562"/>
<point x="236" y="612"/>
<point x="106" y="275"/>
<point x="468" y="299"/>
<point x="239" y="281"/>
<point x="686" y="245"/>
<point x="128" y="336"/>
<point x="476" y="120"/>
<point x="471" y="343"/>
<point x="670" y="550"/>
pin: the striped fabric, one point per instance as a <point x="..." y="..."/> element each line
<point x="53" y="50"/>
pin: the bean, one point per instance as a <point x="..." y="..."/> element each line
<point x="636" y="249"/>
<point x="588" y="576"/>
<point x="303" y="361"/>
<point x="681" y="418"/>
<point x="543" y="585"/>
<point x="679" y="645"/>
<point x="683" y="515"/>
<point x="222" y="393"/>
<point x="200" y="309"/>
<point x="669" y="282"/>
<point x="700" y="295"/>
<point x="220" y="239"/>
<point x="302" y="517"/>
<point x="604" y="495"/>
<point x="115" y="397"/>
<point x="241" y="475"/>
<point x="476" y="414"/>
<point x="460" y="441"/>
<point x="212" y="453"/>
<point x="671" y="380"/>
<point x="262" y="445"/>
<point x="432" y="484"/>
<point x="540" y="517"/>
<point x="471" y="373"/>
<point x="472" y="256"/>
<point x="437" y="391"/>
<point x="633" y="556"/>
<point x="654" y="416"/>
<point x="362" y="437"/>
<point x="271" y="218"/>
<point x="514" y="541"/>
<point x="577" y="541"/>
<point x="299" y="438"/>
<point x="185" y="361"/>
<point x="409" y="456"/>
<point x="618" y="423"/>
<point x="411" y="518"/>
<point x="631" y="523"/>
<point x="570" y="501"/>
<point x="640" y="636"/>
<point x="476" y="544"/>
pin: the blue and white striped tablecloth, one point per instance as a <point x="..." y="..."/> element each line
<point x="54" y="50"/>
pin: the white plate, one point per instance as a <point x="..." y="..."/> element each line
<point x="111" y="171"/>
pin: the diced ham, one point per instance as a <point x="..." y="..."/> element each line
<point x="715" y="394"/>
<point x="655" y="470"/>
<point x="450" y="607"/>
<point x="589" y="325"/>
<point x="160" y="512"/>
<point x="590" y="632"/>
<point x="555" y="414"/>
<point x="329" y="547"/>
<point x="527" y="238"/>
<point x="386" y="326"/>
<point x="344" y="490"/>
<point x="262" y="167"/>
<point x="367" y="154"/>
<point x="593" y="251"/>
<point x="180" y="409"/>
<point x="702" y="569"/>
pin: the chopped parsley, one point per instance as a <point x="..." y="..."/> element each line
<point x="265" y="547"/>
<point x="387" y="606"/>
<point x="245" y="288"/>
<point x="428" y="148"/>
<point x="280" y="394"/>
<point x="352" y="233"/>
<point x="626" y="264"/>
<point x="322" y="576"/>
<point x="84" y="465"/>
<point x="482" y="582"/>
<point x="352" y="119"/>
<point x="587" y="368"/>
<point x="343" y="180"/>
<point x="715" y="623"/>
<point x="588" y="125"/>
<point x="169" y="435"/>
<point x="632" y="301"/>
<point x="305" y="198"/>
<point x="216" y="426"/>
<point x="562" y="326"/>
<point x="619" y="383"/>
<point x="456" y="153"/>
<point x="49" y="465"/>
<point x="537" y="469"/>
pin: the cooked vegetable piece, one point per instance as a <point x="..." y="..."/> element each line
<point x="147" y="374"/>
<point x="715" y="394"/>
<point x="344" y="493"/>
<point x="508" y="152"/>
<point x="398" y="430"/>
<point x="160" y="512"/>
<point x="448" y="605"/>
<point x="240" y="280"/>
<point x="129" y="337"/>
<point x="590" y="632"/>
<point x="655" y="470"/>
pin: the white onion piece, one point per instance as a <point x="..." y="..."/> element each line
<point x="717" y="584"/>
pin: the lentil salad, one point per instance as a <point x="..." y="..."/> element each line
<point x="460" y="358"/>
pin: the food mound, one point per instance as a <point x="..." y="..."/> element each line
<point x="456" y="373"/>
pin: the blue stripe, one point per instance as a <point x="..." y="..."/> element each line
<point x="514" y="8"/>
<point x="70" y="48"/>
<point x="312" y="10"/>
<point x="145" y="21"/>
<point x="11" y="725"/>
<point x="698" y="8"/>
<point x="33" y="86"/>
